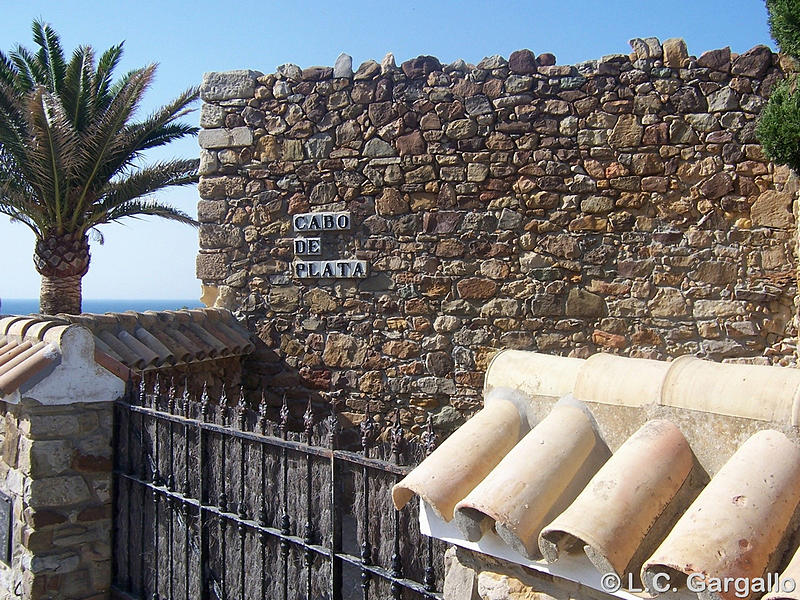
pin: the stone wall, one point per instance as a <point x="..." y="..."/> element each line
<point x="621" y="204"/>
<point x="473" y="576"/>
<point x="56" y="465"/>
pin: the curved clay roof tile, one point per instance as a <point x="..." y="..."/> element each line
<point x="129" y="357"/>
<point x="165" y="355"/>
<point x="128" y="320"/>
<point x="752" y="391"/>
<point x="532" y="373"/>
<point x="20" y="327"/>
<point x="21" y="357"/>
<point x="149" y="319"/>
<point x="181" y="354"/>
<point x="195" y="351"/>
<point x="537" y="479"/>
<point x="192" y="351"/>
<point x="214" y="330"/>
<point x="38" y="330"/>
<point x="6" y="322"/>
<point x="734" y="527"/>
<point x="244" y="343"/>
<point x="463" y="459"/>
<point x="106" y="349"/>
<point x="623" y="502"/>
<point x="150" y="358"/>
<point x="41" y="356"/>
<point x="208" y="338"/>
<point x="14" y="351"/>
<point x="202" y="346"/>
<point x="599" y="380"/>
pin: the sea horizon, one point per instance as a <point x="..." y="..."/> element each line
<point x="27" y="306"/>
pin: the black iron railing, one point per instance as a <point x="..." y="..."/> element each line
<point x="232" y="527"/>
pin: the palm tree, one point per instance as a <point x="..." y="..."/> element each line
<point x="70" y="154"/>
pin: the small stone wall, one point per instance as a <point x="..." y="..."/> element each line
<point x="56" y="465"/>
<point x="474" y="576"/>
<point x="622" y="204"/>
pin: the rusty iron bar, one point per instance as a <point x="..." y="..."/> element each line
<point x="429" y="443"/>
<point x="202" y="494"/>
<point x="262" y="513"/>
<point x="155" y="543"/>
<point x="115" y="491"/>
<point x="143" y="468"/>
<point x="292" y="540"/>
<point x="254" y="522"/>
<point x="171" y="410"/>
<point x="186" y="552"/>
<point x="130" y="390"/>
<point x="308" y="423"/>
<point x="335" y="583"/>
<point x="279" y="442"/>
<point x="223" y="496"/>
<point x="285" y="523"/>
<point x="185" y="487"/>
<point x="170" y="483"/>
<point x="242" y="414"/>
<point x="367" y="430"/>
<point x="397" y="437"/>
<point x="157" y="454"/>
<point x="223" y="550"/>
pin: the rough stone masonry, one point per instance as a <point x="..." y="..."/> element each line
<point x="620" y="204"/>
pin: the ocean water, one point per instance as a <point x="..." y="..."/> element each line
<point x="25" y="306"/>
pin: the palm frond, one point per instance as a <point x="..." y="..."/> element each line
<point x="103" y="76"/>
<point x="157" y="130"/>
<point x="13" y="124"/>
<point x="50" y="55"/>
<point x="55" y="152"/>
<point x="142" y="208"/>
<point x="17" y="199"/>
<point x="101" y="138"/>
<point x="141" y="183"/>
<point x="166" y="134"/>
<point x="21" y="217"/>
<point x="8" y="71"/>
<point x="69" y="146"/>
<point x="77" y="92"/>
<point x="15" y="136"/>
<point x="30" y="72"/>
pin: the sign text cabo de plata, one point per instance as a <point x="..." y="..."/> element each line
<point x="312" y="246"/>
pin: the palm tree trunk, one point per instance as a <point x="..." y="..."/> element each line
<point x="62" y="260"/>
<point x="60" y="295"/>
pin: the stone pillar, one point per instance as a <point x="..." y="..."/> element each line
<point x="56" y="461"/>
<point x="56" y="426"/>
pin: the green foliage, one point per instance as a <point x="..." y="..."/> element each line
<point x="779" y="127"/>
<point x="70" y="152"/>
<point x="784" y="25"/>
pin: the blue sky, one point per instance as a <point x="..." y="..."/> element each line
<point x="151" y="259"/>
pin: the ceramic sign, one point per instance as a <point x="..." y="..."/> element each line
<point x="308" y="246"/>
<point x="333" y="269"/>
<point x="312" y="246"/>
<point x="321" y="221"/>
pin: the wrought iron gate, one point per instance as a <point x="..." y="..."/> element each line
<point x="215" y="501"/>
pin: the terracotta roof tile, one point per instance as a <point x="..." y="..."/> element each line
<point x="704" y="476"/>
<point x="23" y="351"/>
<point x="151" y="340"/>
